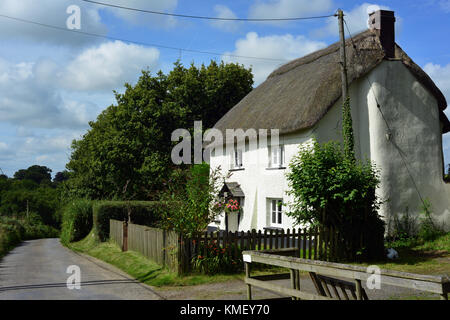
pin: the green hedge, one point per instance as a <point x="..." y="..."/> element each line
<point x="147" y="213"/>
<point x="77" y="220"/>
<point x="11" y="234"/>
<point x="13" y="231"/>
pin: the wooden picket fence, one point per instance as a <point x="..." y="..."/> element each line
<point x="171" y="250"/>
<point x="311" y="243"/>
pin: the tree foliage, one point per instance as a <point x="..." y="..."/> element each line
<point x="126" y="152"/>
<point x="38" y="174"/>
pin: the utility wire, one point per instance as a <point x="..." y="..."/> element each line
<point x="384" y="118"/>
<point x="205" y="17"/>
<point x="138" y="42"/>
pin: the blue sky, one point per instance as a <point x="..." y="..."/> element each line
<point x="52" y="83"/>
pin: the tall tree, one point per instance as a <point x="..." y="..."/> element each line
<point x="61" y="176"/>
<point x="126" y="152"/>
<point x="34" y="173"/>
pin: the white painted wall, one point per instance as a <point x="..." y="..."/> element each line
<point x="411" y="113"/>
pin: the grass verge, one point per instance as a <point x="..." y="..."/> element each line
<point x="141" y="268"/>
<point x="431" y="257"/>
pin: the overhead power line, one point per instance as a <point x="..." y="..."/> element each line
<point x="204" y="17"/>
<point x="138" y="42"/>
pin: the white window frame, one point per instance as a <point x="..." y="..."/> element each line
<point x="276" y="212"/>
<point x="276" y="156"/>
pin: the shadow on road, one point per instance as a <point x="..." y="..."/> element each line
<point x="63" y="284"/>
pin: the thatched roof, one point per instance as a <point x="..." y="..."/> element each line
<point x="298" y="94"/>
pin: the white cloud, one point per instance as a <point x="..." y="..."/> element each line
<point x="46" y="103"/>
<point x="25" y="100"/>
<point x="289" y="8"/>
<point x="441" y="76"/>
<point x="286" y="47"/>
<point x="50" y="148"/>
<point x="356" y="20"/>
<point x="225" y="12"/>
<point x="48" y="12"/>
<point x="108" y="66"/>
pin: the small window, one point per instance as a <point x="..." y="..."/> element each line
<point x="236" y="161"/>
<point x="276" y="212"/>
<point x="276" y="156"/>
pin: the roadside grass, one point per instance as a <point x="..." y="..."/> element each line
<point x="431" y="257"/>
<point x="142" y="269"/>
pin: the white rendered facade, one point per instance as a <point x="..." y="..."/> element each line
<point x="409" y="154"/>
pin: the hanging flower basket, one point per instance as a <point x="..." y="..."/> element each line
<point x="230" y="206"/>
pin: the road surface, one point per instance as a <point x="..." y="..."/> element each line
<point x="37" y="270"/>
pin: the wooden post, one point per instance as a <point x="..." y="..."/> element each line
<point x="297" y="281"/>
<point x="259" y="240"/>
<point x="343" y="57"/>
<point x="265" y="239"/>
<point x="310" y="233"/>
<point x="293" y="280"/>
<point x="247" y="275"/>
<point x="125" y="236"/>
<point x="358" y="289"/>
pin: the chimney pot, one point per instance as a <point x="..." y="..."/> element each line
<point x="383" y="23"/>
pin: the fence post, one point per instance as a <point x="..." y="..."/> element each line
<point x="125" y="236"/>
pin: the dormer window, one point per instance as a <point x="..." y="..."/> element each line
<point x="276" y="156"/>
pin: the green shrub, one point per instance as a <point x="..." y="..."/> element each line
<point x="428" y="230"/>
<point x="11" y="234"/>
<point x="147" y="213"/>
<point x="331" y="189"/>
<point x="76" y="221"/>
<point x="402" y="227"/>
<point x="194" y="204"/>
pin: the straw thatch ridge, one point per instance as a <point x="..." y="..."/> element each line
<point x="298" y="94"/>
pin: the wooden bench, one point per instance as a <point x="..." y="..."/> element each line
<point x="325" y="276"/>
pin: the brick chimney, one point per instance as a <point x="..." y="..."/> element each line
<point x="383" y="22"/>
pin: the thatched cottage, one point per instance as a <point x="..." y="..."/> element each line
<point x="398" y="121"/>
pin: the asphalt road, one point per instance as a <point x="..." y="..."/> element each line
<point x="37" y="270"/>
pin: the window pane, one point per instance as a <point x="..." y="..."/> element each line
<point x="275" y="155"/>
